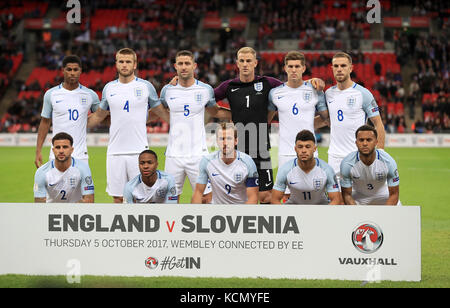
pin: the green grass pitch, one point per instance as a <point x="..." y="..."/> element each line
<point x="424" y="173"/>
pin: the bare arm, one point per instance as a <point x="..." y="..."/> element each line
<point x="218" y="112"/>
<point x="394" y="193"/>
<point x="40" y="200"/>
<point x="277" y="196"/>
<point x="198" y="193"/>
<point x="161" y="112"/>
<point x="252" y="195"/>
<point x="152" y="116"/>
<point x="335" y="198"/>
<point x="270" y="115"/>
<point x="44" y="126"/>
<point x="323" y="119"/>
<point x="378" y="123"/>
<point x="347" y="196"/>
<point x="97" y="117"/>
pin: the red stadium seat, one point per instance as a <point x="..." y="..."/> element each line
<point x="391" y="108"/>
<point x="378" y="45"/>
<point x="426" y="97"/>
<point x="399" y="109"/>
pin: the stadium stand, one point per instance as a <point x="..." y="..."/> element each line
<point x="406" y="70"/>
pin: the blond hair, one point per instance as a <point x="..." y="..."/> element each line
<point x="225" y="126"/>
<point x="246" y="50"/>
<point x="127" y="51"/>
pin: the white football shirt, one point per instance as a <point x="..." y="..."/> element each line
<point x="128" y="104"/>
<point x="69" y="110"/>
<point x="348" y="109"/>
<point x="187" y="136"/>
<point x="296" y="111"/>
<point x="369" y="183"/>
<point x="307" y="188"/>
<point x="68" y="186"/>
<point x="162" y="191"/>
<point x="228" y="182"/>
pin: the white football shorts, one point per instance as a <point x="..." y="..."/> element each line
<point x="180" y="167"/>
<point x="120" y="169"/>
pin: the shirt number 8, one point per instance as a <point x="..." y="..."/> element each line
<point x="340" y="115"/>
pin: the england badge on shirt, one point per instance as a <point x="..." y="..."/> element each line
<point x="161" y="192"/>
<point x="351" y="101"/>
<point x="380" y="176"/>
<point x="307" y="95"/>
<point x="317" y="183"/>
<point x="238" y="177"/>
<point x="198" y="97"/>
<point x="72" y="182"/>
<point x="138" y="92"/>
<point x="83" y="100"/>
<point x="258" y="86"/>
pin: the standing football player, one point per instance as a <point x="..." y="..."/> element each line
<point x="297" y="103"/>
<point x="66" y="106"/>
<point x="127" y="100"/>
<point x="349" y="106"/>
<point x="187" y="102"/>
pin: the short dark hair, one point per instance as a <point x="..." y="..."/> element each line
<point x="149" y="152"/>
<point x="294" y="55"/>
<point x="62" y="136"/>
<point x="71" y="59"/>
<point x="342" y="54"/>
<point x="366" y="128"/>
<point x="305" y="135"/>
<point x="184" y="53"/>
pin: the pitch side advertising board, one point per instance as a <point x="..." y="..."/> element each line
<point x="392" y="140"/>
<point x="367" y="243"/>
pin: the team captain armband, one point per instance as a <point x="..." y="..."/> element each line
<point x="251" y="182"/>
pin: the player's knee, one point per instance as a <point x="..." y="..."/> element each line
<point x="118" y="199"/>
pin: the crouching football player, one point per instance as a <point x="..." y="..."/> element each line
<point x="310" y="179"/>
<point x="63" y="179"/>
<point x="369" y="175"/>
<point x="233" y="174"/>
<point x="151" y="185"/>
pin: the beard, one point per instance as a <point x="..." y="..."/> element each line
<point x="369" y="154"/>
<point x="342" y="78"/>
<point x="131" y="72"/>
<point x="66" y="158"/>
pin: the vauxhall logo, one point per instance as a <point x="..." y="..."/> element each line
<point x="367" y="238"/>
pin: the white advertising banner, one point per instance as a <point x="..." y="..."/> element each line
<point x="157" y="140"/>
<point x="368" y="243"/>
